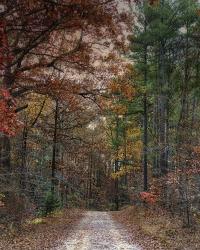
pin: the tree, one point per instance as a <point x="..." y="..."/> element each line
<point x="164" y="49"/>
<point x="51" y="49"/>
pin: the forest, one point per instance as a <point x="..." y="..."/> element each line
<point x="99" y="124"/>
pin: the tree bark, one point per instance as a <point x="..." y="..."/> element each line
<point x="145" y="160"/>
<point x="53" y="165"/>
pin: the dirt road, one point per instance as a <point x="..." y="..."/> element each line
<point x="97" y="231"/>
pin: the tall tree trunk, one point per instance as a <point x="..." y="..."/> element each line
<point x="183" y="127"/>
<point x="116" y="186"/>
<point x="90" y="179"/>
<point x="53" y="165"/>
<point x="162" y="102"/>
<point x="6" y="143"/>
<point x="23" y="169"/>
<point x="145" y="160"/>
<point x="117" y="167"/>
<point x="156" y="169"/>
<point x="125" y="153"/>
<point x="6" y="156"/>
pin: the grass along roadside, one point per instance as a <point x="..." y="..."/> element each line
<point x="42" y="233"/>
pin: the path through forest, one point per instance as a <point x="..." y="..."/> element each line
<point x="97" y="231"/>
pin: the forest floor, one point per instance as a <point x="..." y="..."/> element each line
<point x="155" y="229"/>
<point x="70" y="230"/>
<point x="42" y="233"/>
<point x="133" y="228"/>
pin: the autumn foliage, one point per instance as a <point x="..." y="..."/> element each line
<point x="9" y="123"/>
<point x="149" y="198"/>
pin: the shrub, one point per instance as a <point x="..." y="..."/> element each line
<point x="51" y="203"/>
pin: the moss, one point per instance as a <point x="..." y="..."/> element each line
<point x="37" y="221"/>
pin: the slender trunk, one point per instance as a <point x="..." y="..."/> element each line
<point x="125" y="155"/>
<point x="90" y="178"/>
<point x="23" y="170"/>
<point x="145" y="160"/>
<point x="156" y="170"/>
<point x="6" y="156"/>
<point x="116" y="186"/>
<point x="117" y="168"/>
<point x="162" y="103"/>
<point x="182" y="134"/>
<point x="145" y="164"/>
<point x="162" y="111"/>
<point x="53" y="165"/>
